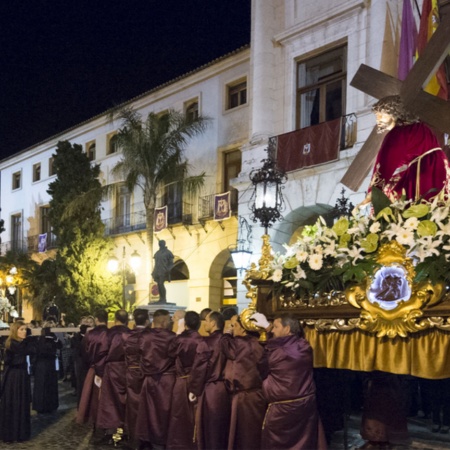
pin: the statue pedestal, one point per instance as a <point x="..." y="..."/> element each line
<point x="152" y="307"/>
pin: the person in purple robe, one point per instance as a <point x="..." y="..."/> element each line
<point x="95" y="345"/>
<point x="292" y="420"/>
<point x="159" y="378"/>
<point x="111" y="408"/>
<point x="208" y="388"/>
<point x="134" y="376"/>
<point x="243" y="376"/>
<point x="182" y="416"/>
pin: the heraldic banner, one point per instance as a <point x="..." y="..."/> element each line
<point x="160" y="219"/>
<point x="222" y="207"/>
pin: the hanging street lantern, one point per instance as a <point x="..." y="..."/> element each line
<point x="268" y="202"/>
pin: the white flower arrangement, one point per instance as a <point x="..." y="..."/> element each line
<point x="5" y="306"/>
<point x="331" y="258"/>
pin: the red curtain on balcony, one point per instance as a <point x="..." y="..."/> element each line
<point x="310" y="146"/>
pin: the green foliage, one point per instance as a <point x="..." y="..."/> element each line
<point x="77" y="277"/>
<point x="379" y="200"/>
<point x="153" y="155"/>
<point x="76" y="179"/>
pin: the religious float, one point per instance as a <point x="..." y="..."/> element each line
<point x="371" y="291"/>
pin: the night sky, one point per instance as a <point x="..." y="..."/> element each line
<point x="63" y="62"/>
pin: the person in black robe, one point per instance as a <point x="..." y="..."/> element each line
<point x="45" y="391"/>
<point x="15" y="422"/>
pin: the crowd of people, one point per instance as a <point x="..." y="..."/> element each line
<point x="198" y="390"/>
<point x="192" y="381"/>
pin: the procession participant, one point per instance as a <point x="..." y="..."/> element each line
<point x="243" y="377"/>
<point x="159" y="378"/>
<point x="80" y="364"/>
<point x="203" y="314"/>
<point x="45" y="389"/>
<point x="111" y="408"/>
<point x="182" y="416"/>
<point x="208" y="387"/>
<point x="134" y="376"/>
<point x="291" y="420"/>
<point x="95" y="350"/>
<point x="15" y="420"/>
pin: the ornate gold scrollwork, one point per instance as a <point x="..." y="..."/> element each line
<point x="391" y="302"/>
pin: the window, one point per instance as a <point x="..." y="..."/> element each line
<point x="36" y="172"/>
<point x="16" y="180"/>
<point x="45" y="221"/>
<point x="123" y="206"/>
<point x="173" y="198"/>
<point x="16" y="232"/>
<point x="192" y="111"/>
<point x="232" y="167"/>
<point x="113" y="146"/>
<point x="321" y="85"/>
<point x="232" y="164"/>
<point x="236" y="94"/>
<point x="90" y="151"/>
<point x="51" y="167"/>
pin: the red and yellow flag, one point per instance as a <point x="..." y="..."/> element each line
<point x="429" y="21"/>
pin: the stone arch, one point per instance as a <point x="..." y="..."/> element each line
<point x="286" y="229"/>
<point x="180" y="270"/>
<point x="221" y="267"/>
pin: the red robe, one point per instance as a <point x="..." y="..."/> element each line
<point x="134" y="377"/>
<point x="292" y="420"/>
<point x="159" y="378"/>
<point x="404" y="150"/>
<point x="182" y="416"/>
<point x="95" y="344"/>
<point x="243" y="379"/>
<point x="111" y="408"/>
<point x="207" y="383"/>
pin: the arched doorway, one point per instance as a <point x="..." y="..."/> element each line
<point x="222" y="281"/>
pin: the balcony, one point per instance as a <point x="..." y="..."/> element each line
<point x="206" y="205"/>
<point x="16" y="246"/>
<point x="314" y="145"/>
<point x="33" y="243"/>
<point x="179" y="213"/>
<point x="126" y="223"/>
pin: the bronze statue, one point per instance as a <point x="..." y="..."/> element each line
<point x="161" y="271"/>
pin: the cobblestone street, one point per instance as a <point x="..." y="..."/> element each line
<point x="58" y="431"/>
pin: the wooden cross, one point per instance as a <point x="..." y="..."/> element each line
<point x="430" y="109"/>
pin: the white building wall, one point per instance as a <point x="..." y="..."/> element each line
<point x="197" y="247"/>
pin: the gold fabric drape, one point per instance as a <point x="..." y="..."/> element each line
<point x="425" y="354"/>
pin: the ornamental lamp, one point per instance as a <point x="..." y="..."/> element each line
<point x="268" y="202"/>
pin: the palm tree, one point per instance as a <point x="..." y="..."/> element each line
<point x="153" y="156"/>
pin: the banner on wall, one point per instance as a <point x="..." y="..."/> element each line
<point x="222" y="207"/>
<point x="160" y="219"/>
<point x="42" y="243"/>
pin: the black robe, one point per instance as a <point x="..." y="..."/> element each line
<point x="45" y="391"/>
<point x="15" y="422"/>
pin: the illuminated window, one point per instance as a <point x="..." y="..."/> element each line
<point x="236" y="94"/>
<point x="321" y="82"/>
<point x="51" y="167"/>
<point x="113" y="145"/>
<point x="36" y="172"/>
<point x="16" y="180"/>
<point x="90" y="151"/>
<point x="192" y="111"/>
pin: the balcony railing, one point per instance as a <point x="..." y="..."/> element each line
<point x="314" y="145"/>
<point x="206" y="205"/>
<point x="33" y="243"/>
<point x="125" y="223"/>
<point x="16" y="246"/>
<point x="179" y="212"/>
